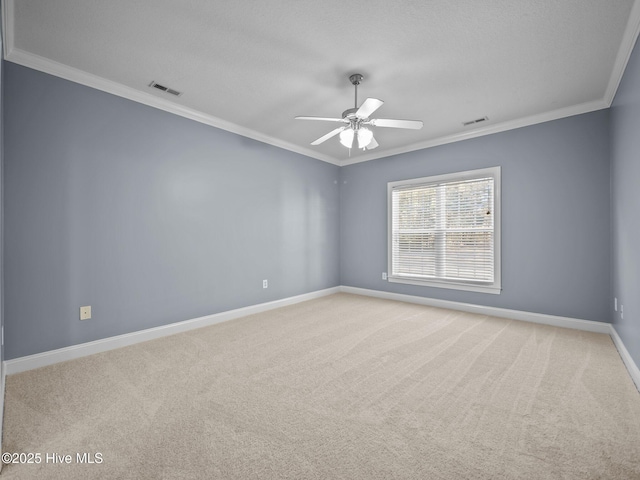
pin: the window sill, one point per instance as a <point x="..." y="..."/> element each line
<point x="492" y="289"/>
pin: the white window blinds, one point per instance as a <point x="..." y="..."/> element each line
<point x="444" y="230"/>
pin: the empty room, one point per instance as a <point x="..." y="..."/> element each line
<point x="320" y="240"/>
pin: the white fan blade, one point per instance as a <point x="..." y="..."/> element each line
<point x="373" y="144"/>
<point x="332" y="133"/>
<point x="369" y="106"/>
<point x="387" y="122"/>
<point x="324" y="119"/>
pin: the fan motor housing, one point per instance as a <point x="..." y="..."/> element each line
<point x="349" y="113"/>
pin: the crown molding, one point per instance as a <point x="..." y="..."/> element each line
<point x="11" y="53"/>
<point x="57" y="69"/>
<point x="489" y="129"/>
<point x="7" y="26"/>
<point x="624" y="53"/>
<point x="78" y="76"/>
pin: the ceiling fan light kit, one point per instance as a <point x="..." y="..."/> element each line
<point x="346" y="137"/>
<point x="356" y="120"/>
<point x="364" y="137"/>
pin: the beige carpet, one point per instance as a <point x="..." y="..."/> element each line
<point x="343" y="387"/>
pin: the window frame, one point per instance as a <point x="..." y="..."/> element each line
<point x="494" y="287"/>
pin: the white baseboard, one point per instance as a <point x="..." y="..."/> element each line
<point x="553" y="320"/>
<point x="43" y="359"/>
<point x="38" y="360"/>
<point x="3" y="372"/>
<point x="632" y="368"/>
<point x="566" y="322"/>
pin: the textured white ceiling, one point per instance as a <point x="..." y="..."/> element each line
<point x="252" y="66"/>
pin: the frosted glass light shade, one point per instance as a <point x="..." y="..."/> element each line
<point x="364" y="137"/>
<point x="346" y="137"/>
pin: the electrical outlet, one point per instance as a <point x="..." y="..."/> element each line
<point x="265" y="283"/>
<point x="615" y="303"/>
<point x="384" y="275"/>
<point x="85" y="312"/>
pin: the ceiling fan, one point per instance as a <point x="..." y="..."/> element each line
<point x="356" y="122"/>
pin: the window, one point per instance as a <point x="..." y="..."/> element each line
<point x="444" y="231"/>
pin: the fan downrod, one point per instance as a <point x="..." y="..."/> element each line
<point x="355" y="80"/>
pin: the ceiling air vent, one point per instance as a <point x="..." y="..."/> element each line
<point x="473" y="122"/>
<point x="165" y="89"/>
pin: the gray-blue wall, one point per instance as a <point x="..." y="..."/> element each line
<point x="2" y="372"/>
<point x="625" y="200"/>
<point x="152" y="218"/>
<point x="148" y="217"/>
<point x="1" y="207"/>
<point x="555" y="215"/>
